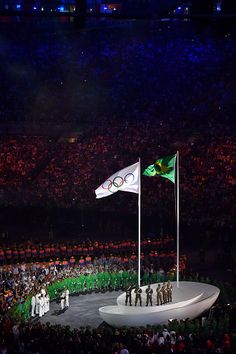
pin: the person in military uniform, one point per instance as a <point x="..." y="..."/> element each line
<point x="159" y="295"/>
<point x="138" y="292"/>
<point x="149" y="293"/>
<point x="164" y="292"/>
<point x="169" y="291"/>
<point x="128" y="296"/>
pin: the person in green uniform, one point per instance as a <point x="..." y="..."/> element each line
<point x="107" y="280"/>
<point x="124" y="279"/>
<point x="145" y="278"/>
<point x="92" y="281"/>
<point x="100" y="280"/>
<point x="82" y="282"/>
<point x="154" y="277"/>
<point x="113" y="280"/>
<point x="88" y="282"/>
<point x="118" y="280"/>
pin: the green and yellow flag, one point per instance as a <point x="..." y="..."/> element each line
<point x="164" y="167"/>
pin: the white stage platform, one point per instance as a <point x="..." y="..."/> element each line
<point x="190" y="299"/>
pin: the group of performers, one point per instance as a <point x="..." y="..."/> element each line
<point x="40" y="303"/>
<point x="163" y="294"/>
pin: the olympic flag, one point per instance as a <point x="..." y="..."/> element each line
<point x="126" y="180"/>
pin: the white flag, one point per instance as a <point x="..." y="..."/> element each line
<point x="126" y="180"/>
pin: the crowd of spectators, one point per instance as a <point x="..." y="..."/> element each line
<point x="36" y="171"/>
<point x="186" y="337"/>
<point x="149" y="88"/>
<point x="19" y="280"/>
<point x="44" y="251"/>
<point x="59" y="261"/>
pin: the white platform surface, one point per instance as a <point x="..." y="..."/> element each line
<point x="190" y="299"/>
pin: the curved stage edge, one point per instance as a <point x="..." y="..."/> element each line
<point x="190" y="299"/>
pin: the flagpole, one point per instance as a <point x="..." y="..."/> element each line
<point x="177" y="217"/>
<point x="139" y="221"/>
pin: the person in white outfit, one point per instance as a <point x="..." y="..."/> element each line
<point x="47" y="303"/>
<point x="165" y="333"/>
<point x="41" y="306"/>
<point x="33" y="305"/>
<point x="67" y="294"/>
<point x="37" y="296"/>
<point x="44" y="305"/>
<point x="63" y="300"/>
<point x="43" y="295"/>
<point x="161" y="340"/>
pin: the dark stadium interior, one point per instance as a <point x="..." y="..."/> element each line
<point x="88" y="88"/>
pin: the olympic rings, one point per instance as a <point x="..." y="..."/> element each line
<point x="129" y="178"/>
<point x="117" y="182"/>
<point x="107" y="184"/>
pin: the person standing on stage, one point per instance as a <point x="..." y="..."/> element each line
<point x="149" y="293"/>
<point x="33" y="305"/>
<point x="159" y="295"/>
<point x="47" y="303"/>
<point x="67" y="293"/>
<point x="43" y="292"/>
<point x="62" y="297"/>
<point x="164" y="292"/>
<point x="138" y="291"/>
<point x="128" y="296"/>
<point x="37" y="296"/>
<point x="169" y="291"/>
<point x="41" y="306"/>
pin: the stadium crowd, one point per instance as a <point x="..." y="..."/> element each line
<point x="146" y="90"/>
<point x="101" y="270"/>
<point x="38" y="171"/>
<point x="154" y="86"/>
<point x="19" y="281"/>
<point x="39" y="251"/>
<point x="186" y="337"/>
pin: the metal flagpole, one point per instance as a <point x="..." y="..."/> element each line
<point x="139" y="221"/>
<point x="177" y="217"/>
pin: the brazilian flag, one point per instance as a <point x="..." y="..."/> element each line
<point x="164" y="167"/>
